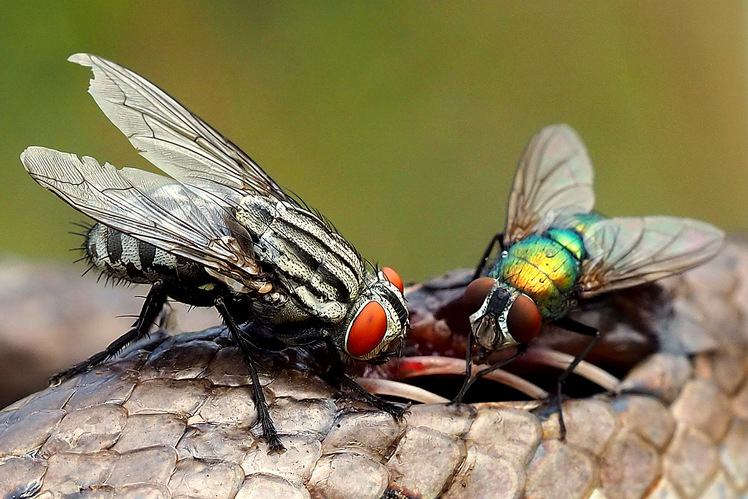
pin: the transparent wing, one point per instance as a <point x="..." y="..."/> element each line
<point x="554" y="177"/>
<point x="627" y="251"/>
<point x="171" y="137"/>
<point x="150" y="207"/>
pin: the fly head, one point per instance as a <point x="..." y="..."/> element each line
<point x="506" y="316"/>
<point x="377" y="321"/>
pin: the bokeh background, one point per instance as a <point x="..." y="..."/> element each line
<point x="402" y="122"/>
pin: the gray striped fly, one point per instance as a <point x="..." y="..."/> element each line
<point x="218" y="231"/>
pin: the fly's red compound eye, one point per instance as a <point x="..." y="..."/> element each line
<point x="367" y="330"/>
<point x="476" y="292"/>
<point x="524" y="319"/>
<point x="393" y="277"/>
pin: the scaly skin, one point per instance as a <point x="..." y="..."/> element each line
<point x="171" y="417"/>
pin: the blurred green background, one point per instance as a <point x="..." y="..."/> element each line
<point x="402" y="122"/>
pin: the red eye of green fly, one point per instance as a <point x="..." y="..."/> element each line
<point x="476" y="292"/>
<point x="524" y="319"/>
<point x="393" y="277"/>
<point x="367" y="330"/>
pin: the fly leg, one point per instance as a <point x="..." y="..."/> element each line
<point x="153" y="305"/>
<point x="338" y="374"/>
<point x="263" y="414"/>
<point x="521" y="349"/>
<point x="468" y="371"/>
<point x="574" y="327"/>
<point x="481" y="268"/>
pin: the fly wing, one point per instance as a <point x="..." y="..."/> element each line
<point x="554" y="177"/>
<point x="627" y="251"/>
<point x="171" y="137"/>
<point x="149" y="207"/>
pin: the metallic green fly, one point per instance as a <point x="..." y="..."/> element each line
<point x="555" y="251"/>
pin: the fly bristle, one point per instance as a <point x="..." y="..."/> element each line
<point x="128" y="316"/>
<point x="296" y="198"/>
<point x="110" y="280"/>
<point x="400" y="352"/>
<point x="89" y="269"/>
<point x="371" y="266"/>
<point x="83" y="248"/>
<point x="84" y="257"/>
<point x="120" y="281"/>
<point x="311" y="209"/>
<point x="137" y="319"/>
<point x="368" y="285"/>
<point x="82" y="252"/>
<point x="327" y="221"/>
<point x="86" y="227"/>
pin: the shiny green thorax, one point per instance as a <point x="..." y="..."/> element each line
<point x="547" y="266"/>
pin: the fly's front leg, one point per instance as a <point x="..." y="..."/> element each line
<point x="263" y="414"/>
<point x="468" y="371"/>
<point x="574" y="327"/>
<point x="469" y="380"/>
<point x="337" y="372"/>
<point x="481" y="268"/>
<point x="153" y="305"/>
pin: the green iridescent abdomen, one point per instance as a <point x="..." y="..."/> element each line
<point x="545" y="268"/>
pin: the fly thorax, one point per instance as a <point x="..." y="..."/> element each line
<point x="376" y="322"/>
<point x="319" y="269"/>
<point x="570" y="240"/>
<point x="542" y="268"/>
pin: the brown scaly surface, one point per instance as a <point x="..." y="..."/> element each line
<point x="173" y="417"/>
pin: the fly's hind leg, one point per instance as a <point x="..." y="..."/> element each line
<point x="574" y="327"/>
<point x="152" y="307"/>
<point x="263" y="414"/>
